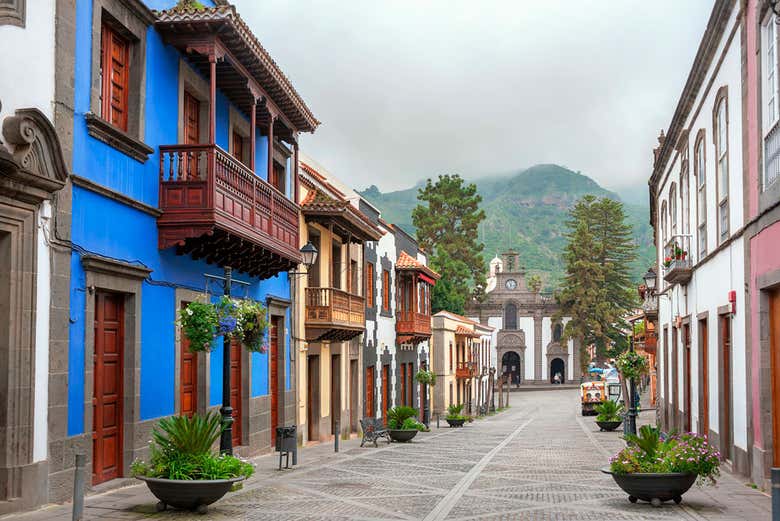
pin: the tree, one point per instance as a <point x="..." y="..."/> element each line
<point x="597" y="291"/>
<point x="447" y="217"/>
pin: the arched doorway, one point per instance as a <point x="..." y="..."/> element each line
<point x="510" y="365"/>
<point x="557" y="366"/>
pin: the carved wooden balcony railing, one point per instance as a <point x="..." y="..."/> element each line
<point x="412" y="328"/>
<point x="677" y="260"/>
<point x="215" y="208"/>
<point x="465" y="370"/>
<point x="333" y="314"/>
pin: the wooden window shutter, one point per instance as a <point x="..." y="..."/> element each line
<point x="115" y="69"/>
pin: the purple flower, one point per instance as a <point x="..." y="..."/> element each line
<point x="227" y="325"/>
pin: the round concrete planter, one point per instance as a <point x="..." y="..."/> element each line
<point x="402" y="435"/>
<point x="455" y="423"/>
<point x="609" y="426"/>
<point x="188" y="494"/>
<point x="654" y="488"/>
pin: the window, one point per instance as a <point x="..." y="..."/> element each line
<point x="238" y="146"/>
<point x="386" y="290"/>
<point x="664" y="224"/>
<point x="114" y="76"/>
<point x="700" y="172"/>
<point x="685" y="203"/>
<point x="369" y="289"/>
<point x="557" y="333"/>
<point x="335" y="265"/>
<point x="451" y="360"/>
<point x="722" y="166"/>
<point x="769" y="91"/>
<point x="673" y="209"/>
<point x="510" y="317"/>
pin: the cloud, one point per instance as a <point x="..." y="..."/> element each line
<point x="411" y="89"/>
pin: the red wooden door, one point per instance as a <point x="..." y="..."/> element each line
<point x="370" y="383"/>
<point x="235" y="390"/>
<point x="705" y="378"/>
<point x="238" y="146"/>
<point x="403" y="385"/>
<point x="686" y="332"/>
<point x="410" y="393"/>
<point x="725" y="425"/>
<point x="188" y="377"/>
<point x="774" y="349"/>
<point x="385" y="392"/>
<point x="273" y="380"/>
<point x="107" y="395"/>
<point x="191" y="133"/>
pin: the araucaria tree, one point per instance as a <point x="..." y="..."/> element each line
<point x="447" y="217"/>
<point x="597" y="291"/>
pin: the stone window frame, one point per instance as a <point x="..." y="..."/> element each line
<point x="14" y="13"/>
<point x="131" y="19"/>
<point x="106" y="274"/>
<point x="203" y="367"/>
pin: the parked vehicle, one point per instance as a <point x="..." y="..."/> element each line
<point x="591" y="395"/>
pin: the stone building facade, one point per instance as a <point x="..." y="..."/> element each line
<point x="527" y="338"/>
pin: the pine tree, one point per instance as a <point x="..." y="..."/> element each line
<point x="597" y="290"/>
<point x="447" y="218"/>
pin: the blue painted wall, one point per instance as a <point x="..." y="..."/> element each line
<point x="104" y="226"/>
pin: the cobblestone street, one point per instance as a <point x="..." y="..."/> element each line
<point x="537" y="461"/>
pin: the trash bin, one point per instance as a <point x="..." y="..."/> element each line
<point x="286" y="443"/>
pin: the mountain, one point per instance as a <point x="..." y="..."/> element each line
<point x="527" y="211"/>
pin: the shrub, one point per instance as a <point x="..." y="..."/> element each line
<point x="398" y="415"/>
<point x="413" y="424"/>
<point x="609" y="411"/>
<point x="454" y="412"/>
<point x="651" y="452"/>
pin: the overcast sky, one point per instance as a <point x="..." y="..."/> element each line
<point x="409" y="89"/>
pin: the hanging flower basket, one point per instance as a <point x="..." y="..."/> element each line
<point x="243" y="320"/>
<point x="632" y="364"/>
<point x="426" y="377"/>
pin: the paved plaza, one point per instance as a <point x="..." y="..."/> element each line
<point x="539" y="460"/>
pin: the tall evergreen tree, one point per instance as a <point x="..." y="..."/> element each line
<point x="597" y="291"/>
<point x="447" y="217"/>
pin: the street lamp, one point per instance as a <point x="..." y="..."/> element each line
<point x="650" y="277"/>
<point x="775" y="5"/>
<point x="309" y="254"/>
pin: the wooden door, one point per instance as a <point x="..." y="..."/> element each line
<point x="353" y="395"/>
<point x="370" y="383"/>
<point x="238" y="146"/>
<point x="774" y="350"/>
<point x="107" y="418"/>
<point x="403" y="385"/>
<point x="666" y="359"/>
<point x="705" y="378"/>
<point x="686" y="332"/>
<point x="273" y="378"/>
<point x="675" y="381"/>
<point x="235" y="390"/>
<point x="188" y="377"/>
<point x="313" y="397"/>
<point x="335" y="392"/>
<point x="385" y="391"/>
<point x="191" y="126"/>
<point x="725" y="394"/>
<point x="410" y="375"/>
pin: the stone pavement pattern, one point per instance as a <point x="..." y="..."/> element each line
<point x="537" y="461"/>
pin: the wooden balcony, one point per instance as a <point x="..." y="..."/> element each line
<point x="465" y="370"/>
<point x="215" y="208"/>
<point x="412" y="328"/>
<point x="334" y="315"/>
<point x="677" y="260"/>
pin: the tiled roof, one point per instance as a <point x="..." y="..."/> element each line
<point x="317" y="204"/>
<point x="455" y="316"/>
<point x="225" y="21"/>
<point x="463" y="330"/>
<point x="407" y="262"/>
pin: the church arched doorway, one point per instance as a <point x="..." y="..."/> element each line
<point x="510" y="365"/>
<point x="557" y="367"/>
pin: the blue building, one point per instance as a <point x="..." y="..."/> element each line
<point x="184" y="163"/>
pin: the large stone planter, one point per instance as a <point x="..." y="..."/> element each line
<point x="609" y="426"/>
<point x="402" y="435"/>
<point x="188" y="494"/>
<point x="654" y="488"/>
<point x="455" y="423"/>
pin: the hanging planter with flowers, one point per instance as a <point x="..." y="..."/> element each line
<point x="244" y="321"/>
<point x="632" y="364"/>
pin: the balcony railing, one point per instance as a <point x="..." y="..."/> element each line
<point x="412" y="327"/>
<point x="203" y="188"/>
<point x="333" y="314"/>
<point x="677" y="260"/>
<point x="772" y="156"/>
<point x="465" y="370"/>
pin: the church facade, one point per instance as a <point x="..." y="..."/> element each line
<point x="529" y="348"/>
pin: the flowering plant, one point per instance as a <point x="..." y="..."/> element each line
<point x="667" y="262"/>
<point x="425" y="377"/>
<point x="631" y="364"/>
<point x="655" y="452"/>
<point x="244" y="321"/>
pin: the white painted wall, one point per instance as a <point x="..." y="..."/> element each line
<point x="43" y="301"/>
<point x="386" y="325"/>
<point x="546" y="339"/>
<point x="27" y="66"/>
<point x="527" y="325"/>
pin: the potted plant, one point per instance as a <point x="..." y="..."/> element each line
<point x="655" y="467"/>
<point x="402" y="424"/>
<point x="667" y="262"/>
<point x="609" y="415"/>
<point x="454" y="416"/>
<point x="426" y="377"/>
<point x="184" y="471"/>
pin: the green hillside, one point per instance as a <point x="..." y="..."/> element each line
<point x="527" y="211"/>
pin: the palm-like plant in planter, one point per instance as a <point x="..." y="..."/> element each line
<point x="184" y="471"/>
<point x="402" y="424"/>
<point x="609" y="415"/>
<point x="454" y="416"/>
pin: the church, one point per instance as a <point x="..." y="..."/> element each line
<point x="529" y="348"/>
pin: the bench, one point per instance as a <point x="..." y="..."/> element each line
<point x="373" y="429"/>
